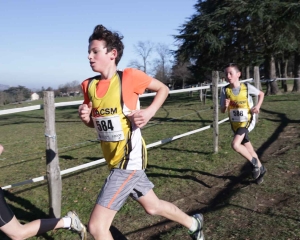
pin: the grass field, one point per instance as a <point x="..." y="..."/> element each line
<point x="184" y="171"/>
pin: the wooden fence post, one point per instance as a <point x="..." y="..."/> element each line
<point x="201" y="93"/>
<point x="53" y="170"/>
<point x="215" y="81"/>
<point x="257" y="85"/>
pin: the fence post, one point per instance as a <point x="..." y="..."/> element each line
<point x="53" y="170"/>
<point x="201" y="93"/>
<point x="257" y="85"/>
<point x="215" y="81"/>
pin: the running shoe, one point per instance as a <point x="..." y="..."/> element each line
<point x="76" y="225"/>
<point x="255" y="168"/>
<point x="198" y="234"/>
<point x="263" y="171"/>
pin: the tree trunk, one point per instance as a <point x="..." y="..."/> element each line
<point x="183" y="83"/>
<point x="279" y="68"/>
<point x="296" y="87"/>
<point x="273" y="83"/>
<point x="268" y="90"/>
<point x="247" y="72"/>
<point x="285" y="74"/>
<point x="283" y="83"/>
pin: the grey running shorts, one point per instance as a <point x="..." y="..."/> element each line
<point x="120" y="184"/>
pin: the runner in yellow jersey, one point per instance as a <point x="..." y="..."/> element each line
<point x="111" y="106"/>
<point x="237" y="100"/>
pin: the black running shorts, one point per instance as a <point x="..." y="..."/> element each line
<point x="240" y="131"/>
<point x="6" y="213"/>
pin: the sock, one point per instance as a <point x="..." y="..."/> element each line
<point x="194" y="226"/>
<point x="254" y="162"/>
<point x="67" y="222"/>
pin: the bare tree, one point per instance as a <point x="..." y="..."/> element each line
<point x="180" y="72"/>
<point x="143" y="50"/>
<point x="162" y="72"/>
<point x="4" y="98"/>
<point x="162" y="67"/>
<point x="136" y="64"/>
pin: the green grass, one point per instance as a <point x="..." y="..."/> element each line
<point x="178" y="169"/>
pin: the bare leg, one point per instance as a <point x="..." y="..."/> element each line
<point x="251" y="150"/>
<point x="100" y="222"/>
<point x="15" y="230"/>
<point x="240" y="148"/>
<point x="246" y="150"/>
<point x="154" y="206"/>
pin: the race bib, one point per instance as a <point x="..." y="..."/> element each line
<point x="109" y="129"/>
<point x="239" y="115"/>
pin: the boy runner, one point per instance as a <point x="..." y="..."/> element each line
<point x="235" y="98"/>
<point x="111" y="106"/>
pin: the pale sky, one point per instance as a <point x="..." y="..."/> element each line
<point x="44" y="43"/>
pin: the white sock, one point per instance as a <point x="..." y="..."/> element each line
<point x="194" y="226"/>
<point x="67" y="222"/>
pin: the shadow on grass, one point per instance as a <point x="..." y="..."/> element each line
<point x="117" y="234"/>
<point x="284" y="120"/>
<point x="182" y="150"/>
<point x="244" y="173"/>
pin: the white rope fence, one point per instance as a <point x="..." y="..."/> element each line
<point x="102" y="160"/>
<point x="72" y="103"/>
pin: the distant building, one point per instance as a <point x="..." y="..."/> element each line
<point x="35" y="96"/>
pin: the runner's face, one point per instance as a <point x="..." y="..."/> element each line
<point x="232" y="74"/>
<point x="98" y="56"/>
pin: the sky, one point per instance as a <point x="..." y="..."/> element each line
<point x="44" y="43"/>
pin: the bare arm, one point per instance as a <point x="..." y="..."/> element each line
<point x="1" y="149"/>
<point x="141" y="117"/>
<point x="256" y="108"/>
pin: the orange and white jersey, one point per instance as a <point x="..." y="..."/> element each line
<point x="112" y="100"/>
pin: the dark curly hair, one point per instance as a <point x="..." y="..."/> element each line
<point x="113" y="40"/>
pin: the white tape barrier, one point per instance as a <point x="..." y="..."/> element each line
<point x="63" y="172"/>
<point x="102" y="160"/>
<point x="287" y="79"/>
<point x="63" y="104"/>
<point x="183" y="135"/>
<point x="22" y="109"/>
<point x="277" y="79"/>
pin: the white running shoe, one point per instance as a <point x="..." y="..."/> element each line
<point x="76" y="225"/>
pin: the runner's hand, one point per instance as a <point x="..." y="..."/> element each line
<point x="140" y="117"/>
<point x="84" y="112"/>
<point x="255" y="109"/>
